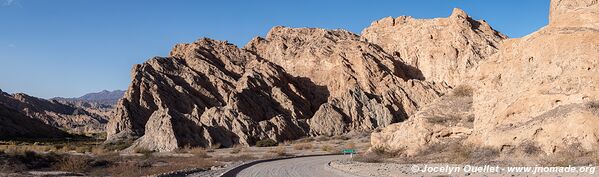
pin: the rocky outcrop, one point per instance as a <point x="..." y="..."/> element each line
<point x="574" y="13"/>
<point x="211" y="92"/>
<point x="440" y="49"/>
<point x="539" y="90"/>
<point x="62" y="116"/>
<point x="14" y="125"/>
<point x="448" y="119"/>
<point x="542" y="88"/>
<point x="295" y="82"/>
<point x="367" y="87"/>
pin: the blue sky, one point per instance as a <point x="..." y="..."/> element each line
<point x="68" y="48"/>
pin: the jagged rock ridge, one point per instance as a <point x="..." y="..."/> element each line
<point x="294" y="82"/>
<point x="440" y="49"/>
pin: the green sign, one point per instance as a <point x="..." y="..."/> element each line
<point x="349" y="151"/>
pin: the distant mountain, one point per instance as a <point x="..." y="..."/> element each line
<point x="102" y="99"/>
<point x="69" y="117"/>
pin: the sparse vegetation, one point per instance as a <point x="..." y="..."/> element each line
<point x="236" y="149"/>
<point x="530" y="148"/>
<point x="463" y="91"/>
<point x="448" y="119"/>
<point x="279" y="151"/>
<point x="266" y="143"/>
<point x="303" y="146"/>
<point x="329" y="148"/>
<point x="368" y="158"/>
<point x="593" y="106"/>
<point x="73" y="164"/>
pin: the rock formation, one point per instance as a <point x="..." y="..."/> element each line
<point x="293" y="83"/>
<point x="368" y="88"/>
<point x="211" y="92"/>
<point x="540" y="89"/>
<point x="14" y="125"/>
<point x="53" y="113"/>
<point x="440" y="49"/>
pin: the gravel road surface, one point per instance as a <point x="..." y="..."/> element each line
<point x="295" y="167"/>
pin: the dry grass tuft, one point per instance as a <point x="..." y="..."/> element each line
<point x="463" y="91"/>
<point x="329" y="148"/>
<point x="593" y="106"/>
<point x="73" y="164"/>
<point x="266" y="143"/>
<point x="279" y="151"/>
<point x="303" y="146"/>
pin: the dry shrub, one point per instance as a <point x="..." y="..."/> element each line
<point x="593" y="106"/>
<point x="329" y="148"/>
<point x="236" y="149"/>
<point x="529" y="148"/>
<point x="463" y="91"/>
<point x="448" y="119"/>
<point x="341" y="137"/>
<point x="322" y="138"/>
<point x="368" y="158"/>
<point x="305" y="140"/>
<point x="572" y="155"/>
<point x="73" y="163"/>
<point x="456" y="152"/>
<point x="266" y="143"/>
<point x="303" y="146"/>
<point x="279" y="151"/>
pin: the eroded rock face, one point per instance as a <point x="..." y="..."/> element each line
<point x="367" y="87"/>
<point x="440" y="49"/>
<point x="211" y="92"/>
<point x="541" y="90"/>
<point x="542" y="87"/>
<point x="574" y="13"/>
<point x="68" y="117"/>
<point x="448" y="119"/>
<point x="295" y="82"/>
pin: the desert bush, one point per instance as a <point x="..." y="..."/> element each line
<point x="303" y="146"/>
<point x="368" y="158"/>
<point x="341" y="137"/>
<point x="529" y="148"/>
<point x="279" y="151"/>
<point x="73" y="164"/>
<point x="447" y="119"/>
<point x="266" y="143"/>
<point x="463" y="91"/>
<point x="305" y="140"/>
<point x="144" y="151"/>
<point x="593" y="106"/>
<point x="330" y="149"/>
<point x="236" y="149"/>
<point x="322" y="138"/>
<point x="83" y="149"/>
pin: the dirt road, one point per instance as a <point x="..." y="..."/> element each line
<point x="295" y="167"/>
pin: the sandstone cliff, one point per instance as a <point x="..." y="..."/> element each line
<point x="293" y="83"/>
<point x="539" y="90"/>
<point x="440" y="49"/>
<point x="211" y="92"/>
